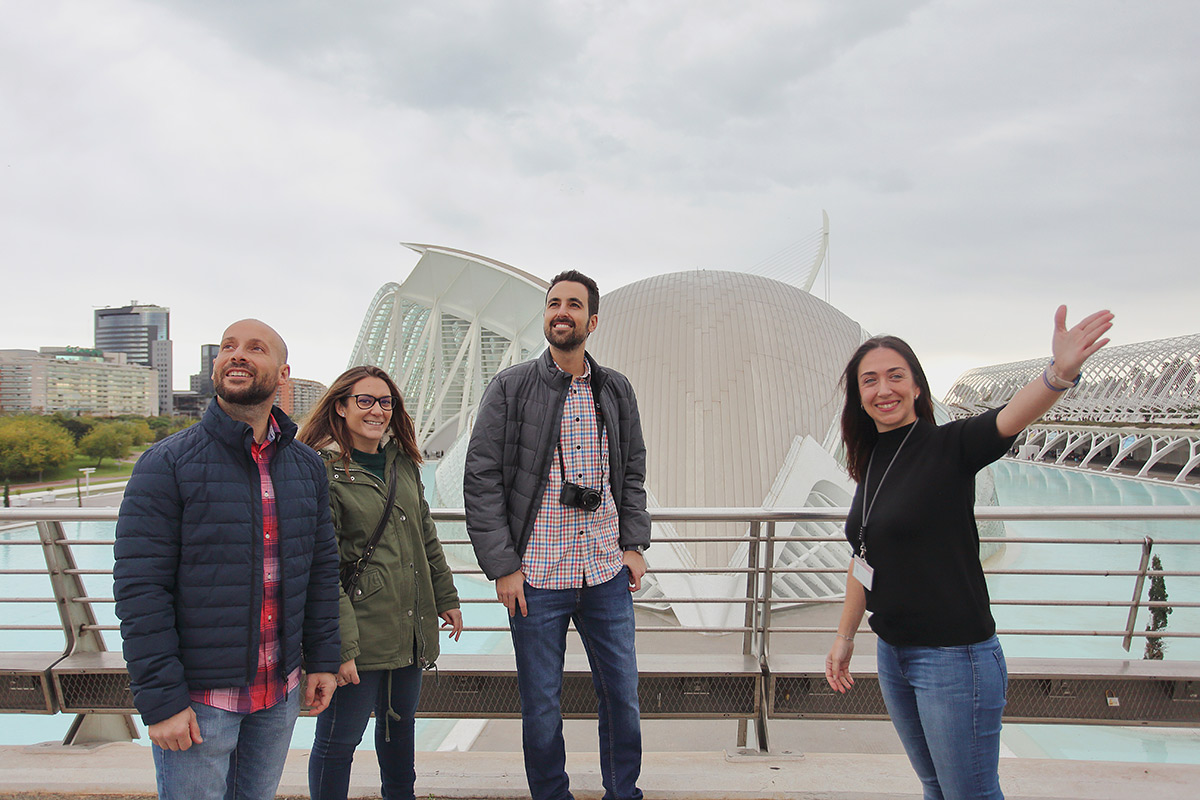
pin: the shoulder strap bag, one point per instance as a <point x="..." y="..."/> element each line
<point x="350" y="573"/>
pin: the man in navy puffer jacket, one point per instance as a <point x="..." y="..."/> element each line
<point x="226" y="582"/>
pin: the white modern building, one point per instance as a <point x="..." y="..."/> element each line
<point x="737" y="383"/>
<point x="737" y="378"/>
<point x="1156" y="382"/>
<point x="457" y="320"/>
<point x="1135" y="407"/>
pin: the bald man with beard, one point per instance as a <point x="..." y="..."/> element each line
<point x="226" y="583"/>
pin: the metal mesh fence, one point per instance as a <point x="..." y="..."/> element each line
<point x="1116" y="700"/>
<point x="25" y="692"/>
<point x="495" y="695"/>
<point x="80" y="692"/>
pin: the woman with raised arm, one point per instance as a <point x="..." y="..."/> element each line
<point x="395" y="580"/>
<point x="916" y="554"/>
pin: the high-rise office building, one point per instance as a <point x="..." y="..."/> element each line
<point x="143" y="334"/>
<point x="202" y="382"/>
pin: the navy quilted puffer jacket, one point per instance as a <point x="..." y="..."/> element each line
<point x="188" y="570"/>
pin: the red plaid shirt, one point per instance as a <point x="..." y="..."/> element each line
<point x="570" y="547"/>
<point x="269" y="686"/>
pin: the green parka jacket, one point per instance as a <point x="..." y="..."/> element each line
<point x="408" y="582"/>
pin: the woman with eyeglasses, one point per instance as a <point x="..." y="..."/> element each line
<point x="916" y="554"/>
<point x="395" y="580"/>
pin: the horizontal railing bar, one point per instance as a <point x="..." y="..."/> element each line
<point x="27" y="600"/>
<point x="1016" y="632"/>
<point x="781" y="538"/>
<point x="833" y="514"/>
<point x="33" y="628"/>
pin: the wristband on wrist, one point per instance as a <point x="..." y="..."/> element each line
<point x="844" y="636"/>
<point x="1054" y="382"/>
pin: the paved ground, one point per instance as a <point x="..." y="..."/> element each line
<point x="125" y="771"/>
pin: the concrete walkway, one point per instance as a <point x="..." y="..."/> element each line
<point x="113" y="771"/>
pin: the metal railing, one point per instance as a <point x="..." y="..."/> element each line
<point x="773" y="689"/>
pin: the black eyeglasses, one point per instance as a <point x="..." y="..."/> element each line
<point x="366" y="401"/>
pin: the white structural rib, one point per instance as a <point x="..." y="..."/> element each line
<point x="457" y="320"/>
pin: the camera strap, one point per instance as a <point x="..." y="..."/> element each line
<point x="562" y="470"/>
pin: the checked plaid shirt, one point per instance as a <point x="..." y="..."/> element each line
<point x="571" y="547"/>
<point x="268" y="687"/>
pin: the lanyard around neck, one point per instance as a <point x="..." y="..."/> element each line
<point x="867" y="506"/>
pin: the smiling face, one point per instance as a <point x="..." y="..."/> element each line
<point x="250" y="366"/>
<point x="365" y="427"/>
<point x="889" y="393"/>
<point x="566" y="322"/>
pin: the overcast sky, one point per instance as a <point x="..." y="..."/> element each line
<point x="981" y="162"/>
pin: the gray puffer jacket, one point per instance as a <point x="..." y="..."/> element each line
<point x="512" y="444"/>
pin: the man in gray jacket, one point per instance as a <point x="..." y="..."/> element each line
<point x="556" y="511"/>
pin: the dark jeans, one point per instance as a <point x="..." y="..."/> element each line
<point x="340" y="729"/>
<point x="946" y="704"/>
<point x="603" y="615"/>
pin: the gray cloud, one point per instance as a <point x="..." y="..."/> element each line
<point x="979" y="161"/>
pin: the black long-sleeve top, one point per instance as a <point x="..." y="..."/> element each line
<point x="928" y="587"/>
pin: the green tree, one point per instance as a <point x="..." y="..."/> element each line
<point x="165" y="426"/>
<point x="76" y="426"/>
<point x="1155" y="647"/>
<point x="29" y="445"/>
<point x="107" y="440"/>
<point x="138" y="430"/>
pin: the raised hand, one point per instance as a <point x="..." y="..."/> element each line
<point x="1071" y="348"/>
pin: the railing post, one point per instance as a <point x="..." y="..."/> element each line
<point x="749" y="643"/>
<point x="79" y="627"/>
<point x="768" y="570"/>
<point x="1147" y="546"/>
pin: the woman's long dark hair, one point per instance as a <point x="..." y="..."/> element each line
<point x="858" y="429"/>
<point x="325" y="426"/>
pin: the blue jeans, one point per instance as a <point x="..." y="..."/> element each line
<point x="241" y="757"/>
<point x="340" y="729"/>
<point x="603" y="615"/>
<point x="945" y="703"/>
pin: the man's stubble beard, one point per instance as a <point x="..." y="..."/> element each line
<point x="257" y="393"/>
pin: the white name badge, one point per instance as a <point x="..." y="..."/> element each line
<point x="863" y="572"/>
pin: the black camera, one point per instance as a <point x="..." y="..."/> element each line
<point x="577" y="496"/>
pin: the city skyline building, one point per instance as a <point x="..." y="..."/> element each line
<point x="298" y="396"/>
<point x="201" y="383"/>
<point x="143" y="333"/>
<point x="76" y="381"/>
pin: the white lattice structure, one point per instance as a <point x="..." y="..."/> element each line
<point x="1156" y="382"/>
<point x="457" y="320"/>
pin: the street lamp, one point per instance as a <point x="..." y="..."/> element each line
<point x="87" y="479"/>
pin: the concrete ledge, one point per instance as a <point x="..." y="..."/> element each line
<point x="125" y="770"/>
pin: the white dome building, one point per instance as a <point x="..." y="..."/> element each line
<point x="737" y="383"/>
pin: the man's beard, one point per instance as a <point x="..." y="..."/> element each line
<point x="567" y="340"/>
<point x="260" y="390"/>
